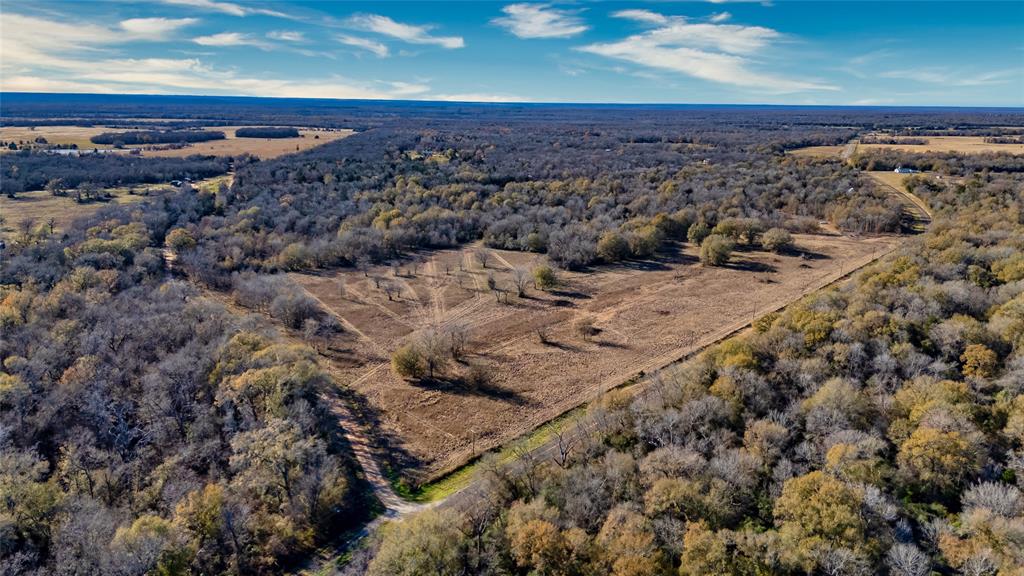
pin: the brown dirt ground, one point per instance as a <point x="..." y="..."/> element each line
<point x="649" y="314"/>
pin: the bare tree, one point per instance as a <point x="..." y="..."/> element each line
<point x="482" y="256"/>
<point x="521" y="279"/>
<point x="458" y="336"/>
<point x="565" y="445"/>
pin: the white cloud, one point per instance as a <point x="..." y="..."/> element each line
<point x="286" y="36"/>
<point x="155" y="28"/>
<point x="231" y="39"/>
<point x="720" y="17"/>
<point x="540" y="21"/>
<point x="949" y="77"/>
<point x="227" y="8"/>
<point x="39" y="55"/>
<point x="642" y="16"/>
<point x="406" y="32"/>
<point x="714" y="52"/>
<point x="378" y="48"/>
<point x="478" y="97"/>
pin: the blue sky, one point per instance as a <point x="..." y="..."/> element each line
<point x="779" y="52"/>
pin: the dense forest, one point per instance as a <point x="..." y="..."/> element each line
<point x="29" y="170"/>
<point x="147" y="427"/>
<point x="152" y="425"/>
<point x="267" y="132"/>
<point x="554" y="189"/>
<point x="873" y="428"/>
<point x="137" y="137"/>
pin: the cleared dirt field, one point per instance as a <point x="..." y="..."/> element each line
<point x="962" y="144"/>
<point x="648" y="314"/>
<point x="261" y="147"/>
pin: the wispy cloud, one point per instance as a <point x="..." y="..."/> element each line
<point x="225" y="39"/>
<point x="540" y="21"/>
<point x="716" y="52"/>
<point x="411" y="33"/>
<point x="950" y="77"/>
<point x="378" y="48"/>
<point x="642" y="16"/>
<point x="719" y="17"/>
<point x="155" y="28"/>
<point x="286" y="36"/>
<point x="228" y="8"/>
<point x="43" y="55"/>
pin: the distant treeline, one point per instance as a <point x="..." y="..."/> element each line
<point x="267" y="132"/>
<point x="26" y="171"/>
<point x="891" y="140"/>
<point x="156" y="137"/>
<point x="952" y="163"/>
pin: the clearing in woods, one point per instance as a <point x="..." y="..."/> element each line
<point x="962" y="144"/>
<point x="230" y="146"/>
<point x="646" y="314"/>
<point x="40" y="206"/>
<point x="264" y="148"/>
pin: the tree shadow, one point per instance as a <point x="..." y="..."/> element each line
<point x="608" y="344"/>
<point x="575" y="294"/>
<point x="391" y="449"/>
<point x="750" y="266"/>
<point x="465" y="387"/>
<point x="561" y="346"/>
<point x="807" y="254"/>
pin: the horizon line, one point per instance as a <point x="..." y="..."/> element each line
<point x="515" y="102"/>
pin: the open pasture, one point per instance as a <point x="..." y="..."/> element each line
<point x="40" y="206"/>
<point x="645" y="315"/>
<point x="64" y="135"/>
<point x="960" y="144"/>
<point x="231" y="145"/>
<point x="262" y="147"/>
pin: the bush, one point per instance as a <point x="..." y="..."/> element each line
<point x="715" y="250"/>
<point x="544" y="277"/>
<point x="293" y="309"/>
<point x="698" y="232"/>
<point x="408" y="362"/>
<point x="612" y="247"/>
<point x="777" y="240"/>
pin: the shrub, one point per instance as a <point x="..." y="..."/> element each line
<point x="777" y="240"/>
<point x="715" y="250"/>
<point x="612" y="247"/>
<point x="408" y="362"/>
<point x="544" y="277"/>
<point x="698" y="232"/>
